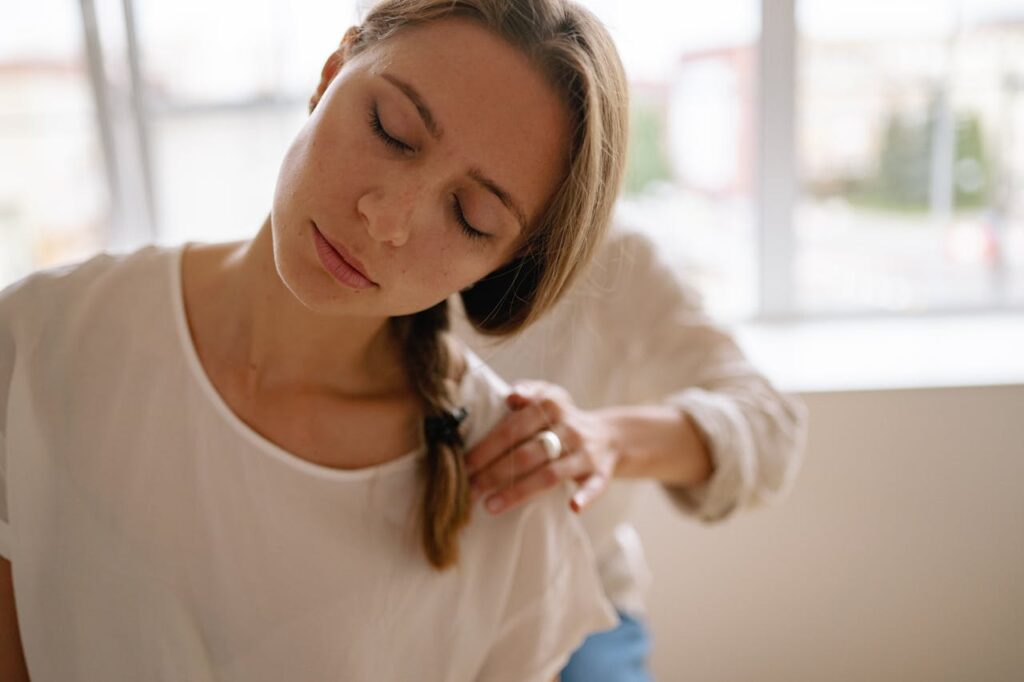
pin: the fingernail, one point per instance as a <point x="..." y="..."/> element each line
<point x="494" y="505"/>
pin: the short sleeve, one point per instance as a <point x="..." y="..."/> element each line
<point x="26" y="306"/>
<point x="556" y="599"/>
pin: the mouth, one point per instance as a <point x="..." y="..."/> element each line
<point x="339" y="263"/>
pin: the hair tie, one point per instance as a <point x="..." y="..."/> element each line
<point x="445" y="426"/>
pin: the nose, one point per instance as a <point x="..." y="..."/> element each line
<point x="387" y="215"/>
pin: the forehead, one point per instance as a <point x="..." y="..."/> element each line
<point x="497" y="111"/>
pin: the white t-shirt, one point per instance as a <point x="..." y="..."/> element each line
<point x="155" y="536"/>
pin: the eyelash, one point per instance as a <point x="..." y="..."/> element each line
<point x="460" y="217"/>
<point x="378" y="130"/>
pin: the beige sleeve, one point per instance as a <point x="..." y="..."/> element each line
<point x="676" y="354"/>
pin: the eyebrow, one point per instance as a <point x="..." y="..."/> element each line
<point x="505" y="198"/>
<point x="437" y="133"/>
<point x="421" y="106"/>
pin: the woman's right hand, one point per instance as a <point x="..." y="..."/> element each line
<point x="509" y="466"/>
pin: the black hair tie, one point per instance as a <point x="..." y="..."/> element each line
<point x="444" y="427"/>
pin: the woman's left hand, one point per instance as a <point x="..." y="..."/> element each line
<point x="510" y="464"/>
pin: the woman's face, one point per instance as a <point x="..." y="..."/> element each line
<point x="422" y="164"/>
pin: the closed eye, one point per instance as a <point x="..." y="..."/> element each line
<point x="460" y="218"/>
<point x="378" y="129"/>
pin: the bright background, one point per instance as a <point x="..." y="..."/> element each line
<point x="836" y="158"/>
<point x="842" y="180"/>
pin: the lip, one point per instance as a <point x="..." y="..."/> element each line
<point x="341" y="264"/>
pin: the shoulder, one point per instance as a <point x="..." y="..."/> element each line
<point x="636" y="284"/>
<point x="94" y="267"/>
<point x="543" y="528"/>
<point x="482" y="392"/>
<point x="38" y="289"/>
<point x="54" y="313"/>
<point x="630" y="263"/>
<point x="545" y="549"/>
<point x="553" y="596"/>
<point x="57" y="289"/>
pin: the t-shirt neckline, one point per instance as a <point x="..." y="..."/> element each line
<point x="260" y="442"/>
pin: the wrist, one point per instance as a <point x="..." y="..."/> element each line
<point x="659" y="442"/>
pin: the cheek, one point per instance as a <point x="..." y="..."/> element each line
<point x="328" y="153"/>
<point x="434" y="266"/>
<point x="439" y="268"/>
<point x="302" y="180"/>
<point x="289" y="174"/>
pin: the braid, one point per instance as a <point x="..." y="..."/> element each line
<point x="446" y="493"/>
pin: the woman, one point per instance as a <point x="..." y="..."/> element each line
<point x="202" y="446"/>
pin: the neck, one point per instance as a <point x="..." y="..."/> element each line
<point x="273" y="341"/>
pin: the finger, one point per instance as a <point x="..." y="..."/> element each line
<point x="537" y="481"/>
<point x="520" y="461"/>
<point x="530" y="388"/>
<point x="520" y="398"/>
<point x="516" y="401"/>
<point x="515" y="464"/>
<point x="550" y="399"/>
<point x="589" y="490"/>
<point x="514" y="428"/>
<point x="538" y="390"/>
<point x="546" y="406"/>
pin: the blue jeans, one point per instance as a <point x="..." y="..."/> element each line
<point x="616" y="655"/>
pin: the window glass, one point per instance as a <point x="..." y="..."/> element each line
<point x="226" y="90"/>
<point x="693" y="79"/>
<point x="225" y="104"/>
<point x="53" y="198"/>
<point x="911" y="152"/>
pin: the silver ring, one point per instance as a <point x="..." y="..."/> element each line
<point x="551" y="444"/>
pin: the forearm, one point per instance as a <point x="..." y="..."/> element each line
<point x="658" y="442"/>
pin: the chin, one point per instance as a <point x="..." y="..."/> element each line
<point x="301" y="273"/>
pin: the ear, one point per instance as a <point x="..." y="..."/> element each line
<point x="333" y="65"/>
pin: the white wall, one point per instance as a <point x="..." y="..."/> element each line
<point x="899" y="554"/>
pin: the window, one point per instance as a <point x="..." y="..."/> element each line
<point x="911" y="156"/>
<point x="693" y="78"/>
<point x="793" y="157"/>
<point x="54" y="201"/>
<point x="223" y="104"/>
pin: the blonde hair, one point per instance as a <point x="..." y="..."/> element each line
<point x="571" y="47"/>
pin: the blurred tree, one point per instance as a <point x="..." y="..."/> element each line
<point x="647" y="143"/>
<point x="903" y="174"/>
